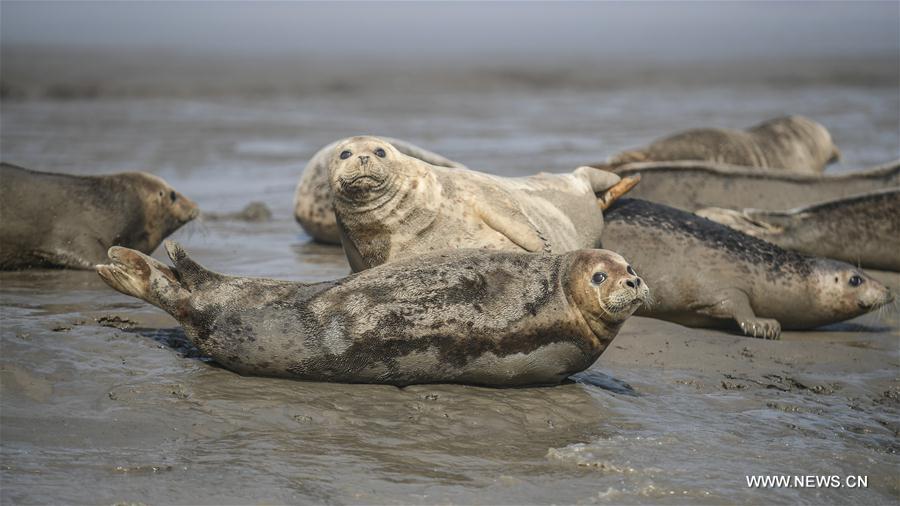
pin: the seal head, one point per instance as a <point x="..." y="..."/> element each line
<point x="360" y="169"/>
<point x="165" y="210"/>
<point x="844" y="291"/>
<point x="606" y="290"/>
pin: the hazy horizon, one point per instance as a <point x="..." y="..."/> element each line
<point x="395" y="31"/>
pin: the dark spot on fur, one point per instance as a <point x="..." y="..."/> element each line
<point x="636" y="212"/>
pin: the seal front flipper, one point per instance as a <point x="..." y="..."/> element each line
<point x="513" y="224"/>
<point x="733" y="304"/>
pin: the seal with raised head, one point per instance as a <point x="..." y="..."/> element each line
<point x="478" y="317"/>
<point x="695" y="185"/>
<point x="863" y="230"/>
<point x="391" y="206"/>
<point x="705" y="274"/>
<point x="60" y="220"/>
<point x="792" y="143"/>
<point x="313" y="208"/>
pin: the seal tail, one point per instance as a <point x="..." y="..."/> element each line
<point x="134" y="273"/>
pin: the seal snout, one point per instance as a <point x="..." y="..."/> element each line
<point x="185" y="208"/>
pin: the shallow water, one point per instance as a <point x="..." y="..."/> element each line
<point x="99" y="410"/>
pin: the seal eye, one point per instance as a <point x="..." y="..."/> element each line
<point x="856" y="281"/>
<point x="345" y="154"/>
<point x="380" y="153"/>
<point x="631" y="271"/>
<point x="598" y="277"/>
<point x="173" y="196"/>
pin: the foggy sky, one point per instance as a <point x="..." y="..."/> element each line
<point x="688" y="31"/>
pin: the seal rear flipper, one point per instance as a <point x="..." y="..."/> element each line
<point x="191" y="274"/>
<point x="747" y="221"/>
<point x="598" y="178"/>
<point x="134" y="273"/>
<point x="614" y="193"/>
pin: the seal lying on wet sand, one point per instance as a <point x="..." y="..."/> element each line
<point x="480" y="317"/>
<point x="790" y="143"/>
<point x="695" y="185"/>
<point x="863" y="230"/>
<point x="313" y="207"/>
<point x="705" y="274"/>
<point x="391" y="206"/>
<point x="59" y="220"/>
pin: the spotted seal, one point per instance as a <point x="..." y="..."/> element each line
<point x="60" y="220"/>
<point x="478" y="317"/>
<point x="863" y="229"/>
<point x="705" y="274"/>
<point x="792" y="143"/>
<point x="391" y="206"/>
<point x="695" y="185"/>
<point x="313" y="208"/>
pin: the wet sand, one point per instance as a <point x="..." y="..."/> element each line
<point x="104" y="401"/>
<point x="99" y="388"/>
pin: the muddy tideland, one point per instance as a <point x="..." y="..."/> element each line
<point x="104" y="401"/>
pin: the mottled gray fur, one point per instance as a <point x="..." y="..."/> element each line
<point x="705" y="274"/>
<point x="391" y="206"/>
<point x="863" y="230"/>
<point x="695" y="185"/>
<point x="490" y="318"/>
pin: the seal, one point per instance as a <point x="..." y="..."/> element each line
<point x="695" y="185"/>
<point x="477" y="317"/>
<point x="792" y="143"/>
<point x="863" y="230"/>
<point x="705" y="274"/>
<point x="391" y="206"/>
<point x="313" y="207"/>
<point x="59" y="220"/>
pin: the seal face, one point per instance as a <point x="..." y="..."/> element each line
<point x="705" y="274"/>
<point x="473" y="316"/>
<point x="313" y="208"/>
<point x="390" y="206"/>
<point x="792" y="143"/>
<point x="863" y="229"/>
<point x="58" y="220"/>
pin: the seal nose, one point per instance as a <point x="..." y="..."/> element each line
<point x="364" y="159"/>
<point x="633" y="283"/>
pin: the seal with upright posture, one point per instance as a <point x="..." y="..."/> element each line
<point x="705" y="274"/>
<point x="391" y="206"/>
<point x="479" y="317"/>
<point x="313" y="207"/>
<point x="59" y="220"/>
<point x="790" y="143"/>
<point x="695" y="185"/>
<point x="863" y="230"/>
